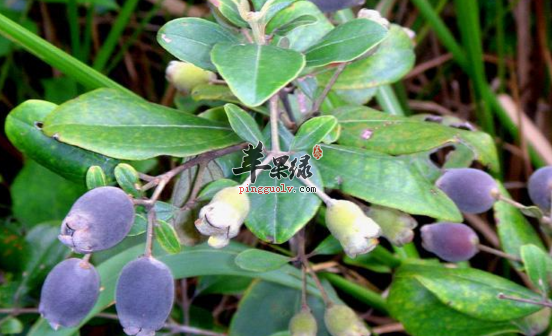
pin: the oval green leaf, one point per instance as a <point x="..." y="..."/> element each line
<point x="260" y="261"/>
<point x="167" y="237"/>
<point x="95" y="177"/>
<point x="112" y="123"/>
<point x="313" y="132"/>
<point x="256" y="72"/>
<point x="243" y="124"/>
<point x="192" y="39"/>
<point x="346" y="42"/>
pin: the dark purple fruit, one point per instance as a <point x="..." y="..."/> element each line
<point x="327" y="6"/>
<point x="69" y="293"/>
<point x="470" y="189"/>
<point x="452" y="242"/>
<point x="98" y="220"/>
<point x="144" y="296"/>
<point x="540" y="187"/>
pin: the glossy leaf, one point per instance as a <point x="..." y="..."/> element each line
<point x="229" y="8"/>
<point x="192" y="39"/>
<point x="11" y="325"/>
<point x="222" y="284"/>
<point x="475" y="293"/>
<point x="167" y="237"/>
<point x="367" y="128"/>
<point x="312" y="132"/>
<point x="163" y="211"/>
<point x="302" y="37"/>
<point x="128" y="179"/>
<point x="38" y="195"/>
<point x="191" y="262"/>
<point x="422" y="313"/>
<point x="266" y="309"/>
<point x="346" y="42"/>
<point x="68" y="161"/>
<point x="393" y="59"/>
<point x="385" y="180"/>
<point x="256" y="72"/>
<point x="122" y="126"/>
<point x="95" y="177"/>
<point x="303" y="20"/>
<point x="514" y="230"/>
<point x="538" y="266"/>
<point x="243" y="124"/>
<point x="275" y="217"/>
<point x="260" y="261"/>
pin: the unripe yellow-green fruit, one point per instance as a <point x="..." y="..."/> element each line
<point x="356" y="232"/>
<point x="185" y="76"/>
<point x="341" y="320"/>
<point x="303" y="324"/>
<point x="396" y="226"/>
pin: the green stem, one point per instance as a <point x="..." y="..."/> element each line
<point x="74" y="29"/>
<point x="113" y="37"/>
<point x="50" y="54"/>
<point x="388" y="100"/>
<point x="407" y="251"/>
<point x="359" y="292"/>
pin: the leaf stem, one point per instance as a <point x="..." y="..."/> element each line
<point x="320" y="193"/>
<point x="318" y="102"/>
<point x="496" y="252"/>
<point x="307" y="265"/>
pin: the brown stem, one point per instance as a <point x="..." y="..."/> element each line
<point x="198" y="183"/>
<point x="149" y="236"/>
<point x="306" y="265"/>
<point x="274" y="117"/>
<point x="318" y="102"/>
<point x="499" y="253"/>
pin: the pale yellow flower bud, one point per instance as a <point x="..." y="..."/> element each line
<point x="185" y="76"/>
<point x="341" y="320"/>
<point x="373" y="15"/>
<point x="356" y="232"/>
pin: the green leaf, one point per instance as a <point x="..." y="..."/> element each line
<point x="330" y="245"/>
<point x="192" y="39"/>
<point x="367" y="128"/>
<point x="163" y="211"/>
<point x="68" y="161"/>
<point x="11" y="325"/>
<point x="514" y="230"/>
<point x="38" y="195"/>
<point x="167" y="237"/>
<point x="475" y="293"/>
<point x="95" y="177"/>
<point x="266" y="309"/>
<point x="229" y="8"/>
<point x="313" y="132"/>
<point x="385" y="180"/>
<point x="256" y="72"/>
<point x="272" y="217"/>
<point x="222" y="284"/>
<point x="302" y="37"/>
<point x="303" y="20"/>
<point x="209" y="191"/>
<point x="538" y="266"/>
<point x="346" y="42"/>
<point x="243" y="124"/>
<point x="273" y="7"/>
<point x="260" y="261"/>
<point x="422" y="313"/>
<point x="393" y="59"/>
<point x="112" y="123"/>
<point x="128" y="179"/>
<point x="191" y="262"/>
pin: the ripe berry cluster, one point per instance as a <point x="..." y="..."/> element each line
<point x="99" y="220"/>
<point x="474" y="191"/>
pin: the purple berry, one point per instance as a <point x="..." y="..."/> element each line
<point x="452" y="242"/>
<point x="144" y="296"/>
<point x="69" y="293"/>
<point x="470" y="189"/>
<point x="98" y="220"/>
<point x="540" y="187"/>
<point x="327" y="6"/>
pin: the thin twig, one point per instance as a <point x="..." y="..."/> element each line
<point x="306" y="264"/>
<point x="198" y="183"/>
<point x="149" y="237"/>
<point x="318" y="102"/>
<point x="496" y="252"/>
<point x="320" y="193"/>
